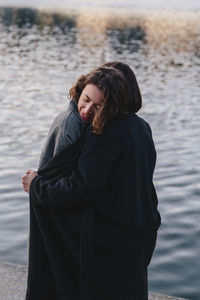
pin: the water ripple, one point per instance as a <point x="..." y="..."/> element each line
<point x="39" y="63"/>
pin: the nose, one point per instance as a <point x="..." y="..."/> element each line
<point x="89" y="110"/>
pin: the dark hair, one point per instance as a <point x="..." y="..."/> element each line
<point x="111" y="81"/>
<point x="134" y="95"/>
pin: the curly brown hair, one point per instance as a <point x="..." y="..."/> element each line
<point x="114" y="86"/>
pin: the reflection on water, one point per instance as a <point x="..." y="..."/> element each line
<point x="178" y="31"/>
<point x="27" y="17"/>
<point x="43" y="53"/>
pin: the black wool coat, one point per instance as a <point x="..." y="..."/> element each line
<point x="92" y="233"/>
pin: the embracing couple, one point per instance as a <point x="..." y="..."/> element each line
<point x="93" y="205"/>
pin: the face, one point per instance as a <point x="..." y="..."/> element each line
<point x="90" y="102"/>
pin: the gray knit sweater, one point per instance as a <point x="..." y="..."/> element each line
<point x="67" y="129"/>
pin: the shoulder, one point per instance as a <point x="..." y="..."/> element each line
<point x="73" y="126"/>
<point x="111" y="136"/>
<point x="127" y="129"/>
<point x="120" y="128"/>
<point x="74" y="122"/>
<point x="144" y="125"/>
<point x="133" y="122"/>
<point x="125" y="124"/>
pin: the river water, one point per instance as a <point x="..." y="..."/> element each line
<point x="42" y="52"/>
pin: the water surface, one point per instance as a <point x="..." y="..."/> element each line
<point x="41" y="55"/>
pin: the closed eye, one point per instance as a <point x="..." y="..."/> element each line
<point x="97" y="107"/>
<point x="86" y="99"/>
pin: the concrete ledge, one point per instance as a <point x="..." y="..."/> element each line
<point x="13" y="283"/>
<point x="156" y="296"/>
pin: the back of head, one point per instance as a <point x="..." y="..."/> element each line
<point x="111" y="81"/>
<point x="134" y="95"/>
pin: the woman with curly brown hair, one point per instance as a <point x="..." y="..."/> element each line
<point x="94" y="221"/>
<point x="87" y="104"/>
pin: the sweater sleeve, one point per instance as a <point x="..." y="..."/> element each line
<point x="99" y="156"/>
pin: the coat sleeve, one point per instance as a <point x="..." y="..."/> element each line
<point x="99" y="156"/>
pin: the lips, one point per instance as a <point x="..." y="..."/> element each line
<point x="86" y="118"/>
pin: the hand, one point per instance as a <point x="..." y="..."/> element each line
<point x="27" y="178"/>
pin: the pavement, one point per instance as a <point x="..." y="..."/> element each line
<point x="13" y="284"/>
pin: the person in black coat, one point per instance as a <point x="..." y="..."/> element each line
<point x="94" y="231"/>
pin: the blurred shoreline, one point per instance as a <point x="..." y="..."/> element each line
<point x="148" y="5"/>
<point x="178" y="31"/>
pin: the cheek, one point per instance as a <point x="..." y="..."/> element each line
<point x="80" y="104"/>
